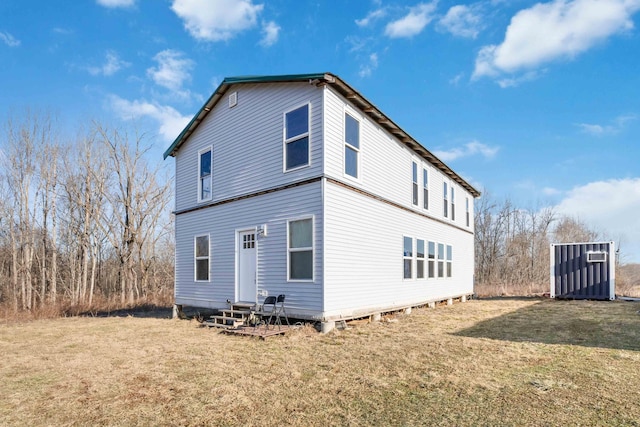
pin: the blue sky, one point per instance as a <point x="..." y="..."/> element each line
<point x="538" y="102"/>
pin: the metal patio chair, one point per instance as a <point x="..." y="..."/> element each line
<point x="279" y="312"/>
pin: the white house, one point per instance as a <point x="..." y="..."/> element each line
<point x="299" y="185"/>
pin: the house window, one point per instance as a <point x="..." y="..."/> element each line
<point x="449" y="260"/>
<point x="300" y="249"/>
<point x="445" y="200"/>
<point x="425" y="189"/>
<point x="296" y="138"/>
<point x="440" y="260"/>
<point x="420" y="259"/>
<point x="351" y="145"/>
<point x="453" y="204"/>
<point x="407" y="255"/>
<point x="432" y="259"/>
<point x="415" y="183"/>
<point x="204" y="174"/>
<point x="201" y="258"/>
<point x="467" y="211"/>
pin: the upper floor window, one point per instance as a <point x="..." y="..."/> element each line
<point x="425" y="188"/>
<point x="445" y="203"/>
<point x="415" y="183"/>
<point x="201" y="258"/>
<point x="351" y="145"/>
<point x="300" y="248"/>
<point x="204" y="174"/>
<point x="296" y="138"/>
<point x="453" y="204"/>
<point x="468" y="213"/>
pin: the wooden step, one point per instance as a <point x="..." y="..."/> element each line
<point x="242" y="306"/>
<point x="236" y="313"/>
<point x="224" y="321"/>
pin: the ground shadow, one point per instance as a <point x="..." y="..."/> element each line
<point x="604" y="324"/>
<point x="150" y="311"/>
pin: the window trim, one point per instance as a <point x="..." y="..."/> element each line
<point x="415" y="193"/>
<point x="425" y="188"/>
<point x="200" y="153"/>
<point x="419" y="258"/>
<point x="286" y="141"/>
<point x="448" y="273"/>
<point x="445" y="204"/>
<point x="197" y="258"/>
<point x="313" y="249"/>
<point x="453" y="202"/>
<point x="468" y="216"/>
<point x="440" y="257"/>
<point x="409" y="258"/>
<point x="357" y="150"/>
<point x="432" y="262"/>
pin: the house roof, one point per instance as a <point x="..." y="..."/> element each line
<point x="341" y="87"/>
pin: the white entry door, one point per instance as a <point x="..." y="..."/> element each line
<point x="247" y="266"/>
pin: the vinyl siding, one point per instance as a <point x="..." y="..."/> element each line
<point x="247" y="142"/>
<point x="222" y="222"/>
<point x="386" y="163"/>
<point x="363" y="255"/>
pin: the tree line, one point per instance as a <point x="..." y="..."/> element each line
<point x="81" y="220"/>
<point x="87" y="221"/>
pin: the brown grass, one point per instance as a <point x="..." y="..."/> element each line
<point x="487" y="362"/>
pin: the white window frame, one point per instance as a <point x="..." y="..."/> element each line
<point x="468" y="216"/>
<point x="445" y="201"/>
<point x="432" y="261"/>
<point x="448" y="273"/>
<point x="286" y="141"/>
<point x="409" y="258"/>
<point x="200" y="153"/>
<point x="312" y="248"/>
<point x="347" y="145"/>
<point x="425" y="188"/>
<point x="440" y="258"/>
<point x="415" y="192"/>
<point x="197" y="258"/>
<point x="423" y="259"/>
<point x="453" y="202"/>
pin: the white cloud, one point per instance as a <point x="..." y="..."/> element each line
<point x="116" y="3"/>
<point x="372" y="16"/>
<point x="170" y="121"/>
<point x="550" y="191"/>
<point x="455" y="80"/>
<point x="8" y="39"/>
<point x="270" y="32"/>
<point x="560" y="29"/>
<point x="469" y="149"/>
<point x="506" y="82"/>
<point x="413" y="23"/>
<point x="216" y="20"/>
<point x="599" y="130"/>
<point x="112" y="65"/>
<point x="610" y="207"/>
<point x="372" y="64"/>
<point x="462" y="21"/>
<point x="172" y="71"/>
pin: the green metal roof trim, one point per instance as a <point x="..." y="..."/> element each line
<point x="341" y="87"/>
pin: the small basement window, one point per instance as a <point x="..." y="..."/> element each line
<point x="596" y="256"/>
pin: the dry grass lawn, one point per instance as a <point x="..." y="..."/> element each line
<point x="485" y="362"/>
